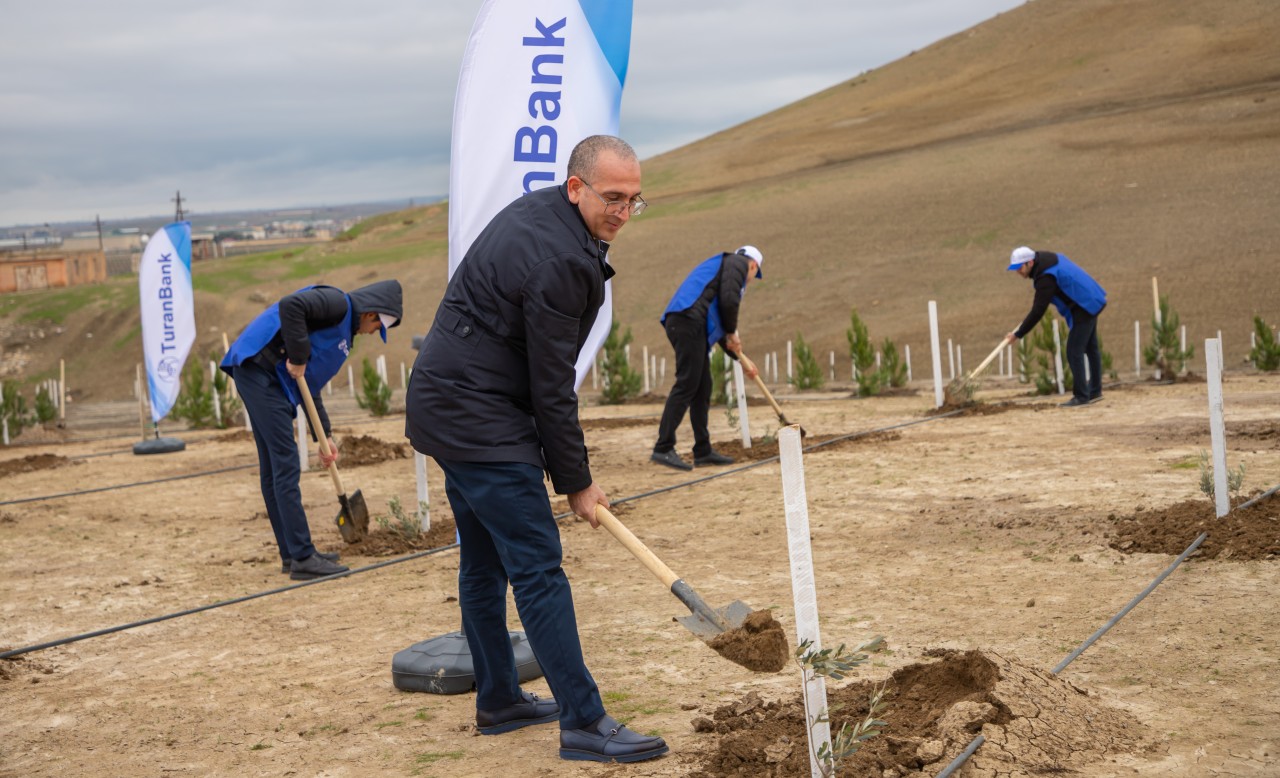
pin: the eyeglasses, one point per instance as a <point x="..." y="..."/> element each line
<point x="615" y="207"/>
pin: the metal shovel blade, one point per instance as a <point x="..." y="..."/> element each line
<point x="730" y="617"/>
<point x="353" y="517"/>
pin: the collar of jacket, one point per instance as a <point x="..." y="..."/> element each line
<point x="590" y="243"/>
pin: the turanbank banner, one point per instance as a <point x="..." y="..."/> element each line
<point x="168" y="312"/>
<point x="537" y="77"/>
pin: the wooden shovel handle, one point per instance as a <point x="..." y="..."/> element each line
<point x="319" y="430"/>
<point x="982" y="366"/>
<point x="633" y="544"/>
<point x="760" y="383"/>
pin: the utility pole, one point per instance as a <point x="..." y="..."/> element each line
<point x="98" y="219"/>
<point x="178" y="213"/>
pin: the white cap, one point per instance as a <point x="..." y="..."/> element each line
<point x="387" y="321"/>
<point x="751" y="252"/>
<point x="1020" y="256"/>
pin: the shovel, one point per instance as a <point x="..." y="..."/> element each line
<point x="961" y="389"/>
<point x="353" y="514"/>
<point x="769" y="395"/>
<point x="704" y="621"/>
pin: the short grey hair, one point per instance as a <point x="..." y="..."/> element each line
<point x="582" y="162"/>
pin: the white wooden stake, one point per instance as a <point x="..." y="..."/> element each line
<point x="803" y="591"/>
<point x="951" y="360"/>
<point x="404" y="377"/>
<point x="1155" y="295"/>
<point x="302" y="440"/>
<point x="1137" y="349"/>
<point x="833" y="365"/>
<point x="351" y="380"/>
<point x="1217" y="427"/>
<point x="959" y="360"/>
<point x="143" y="391"/>
<point x="740" y="388"/>
<point x="789" y="362"/>
<point x="647" y="388"/>
<point x="231" y="385"/>
<point x="1057" y="356"/>
<point x="877" y="360"/>
<point x="662" y="371"/>
<point x="937" y="356"/>
<point x="4" y="422"/>
<point x="424" y="503"/>
<point x="626" y="351"/>
<point x="328" y="388"/>
<point x="907" y="349"/>
<point x="62" y="389"/>
<point x="217" y="406"/>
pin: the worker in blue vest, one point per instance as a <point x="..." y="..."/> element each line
<point x="702" y="313"/>
<point x="306" y="334"/>
<point x="1079" y="299"/>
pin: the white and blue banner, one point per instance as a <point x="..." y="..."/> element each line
<point x="537" y="77"/>
<point x="168" y="312"/>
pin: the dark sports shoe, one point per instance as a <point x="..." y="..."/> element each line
<point x="1095" y="398"/>
<point x="314" y="566"/>
<point x="670" y="459"/>
<point x="286" y="565"/>
<point x="608" y="741"/>
<point x="712" y="459"/>
<point x="1074" y="402"/>
<point x="530" y="710"/>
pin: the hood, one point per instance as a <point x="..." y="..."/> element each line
<point x="382" y="297"/>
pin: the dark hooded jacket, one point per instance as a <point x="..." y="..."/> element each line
<point x="494" y="380"/>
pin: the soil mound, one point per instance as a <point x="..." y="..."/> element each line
<point x="390" y="541"/>
<point x="1034" y="723"/>
<point x="979" y="408"/>
<point x="759" y="644"/>
<point x="1251" y="533"/>
<point x="358" y="450"/>
<point x="31" y="463"/>
<point x="613" y="424"/>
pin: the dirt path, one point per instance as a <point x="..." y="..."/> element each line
<point x="984" y="547"/>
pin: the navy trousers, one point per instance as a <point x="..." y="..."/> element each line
<point x="1082" y="344"/>
<point x="509" y="534"/>
<point x="272" y="417"/>
<point x="692" y="388"/>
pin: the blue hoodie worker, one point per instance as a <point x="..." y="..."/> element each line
<point x="308" y="334"/>
<point x="702" y="313"/>
<point x="1079" y="299"/>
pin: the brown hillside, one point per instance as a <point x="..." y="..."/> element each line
<point x="1141" y="138"/>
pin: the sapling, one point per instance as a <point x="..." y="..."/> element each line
<point x="45" y="409"/>
<point x="620" y="381"/>
<point x="1235" y="478"/>
<point x="893" y="368"/>
<point x="1165" y="352"/>
<point x="407" y="527"/>
<point x="1265" y="354"/>
<point x="863" y="353"/>
<point x="375" y="395"/>
<point x="13" y="406"/>
<point x="808" y="373"/>
<point x="835" y="664"/>
<point x="195" y="399"/>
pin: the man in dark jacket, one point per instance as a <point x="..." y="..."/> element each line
<point x="493" y="400"/>
<point x="1079" y="299"/>
<point x="306" y="334"/>
<point x="702" y="313"/>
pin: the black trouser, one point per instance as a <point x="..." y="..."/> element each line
<point x="1082" y="343"/>
<point x="692" y="389"/>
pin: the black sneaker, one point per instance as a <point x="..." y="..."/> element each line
<point x="712" y="459"/>
<point x="1095" y="398"/>
<point x="1074" y="402"/>
<point x="670" y="459"/>
<point x="286" y="565"/>
<point x="314" y="566"/>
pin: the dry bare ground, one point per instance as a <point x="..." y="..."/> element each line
<point x="984" y="547"/>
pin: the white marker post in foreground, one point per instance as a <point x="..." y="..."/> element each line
<point x="1217" y="427"/>
<point x="740" y="388"/>
<point x="937" y="356"/>
<point x="803" y="593"/>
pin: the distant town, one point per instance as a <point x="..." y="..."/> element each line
<point x="73" y="253"/>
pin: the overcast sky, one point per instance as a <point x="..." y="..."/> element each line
<point x="109" y="108"/>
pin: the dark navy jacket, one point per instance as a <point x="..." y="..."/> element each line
<point x="494" y="380"/>
<point x="1062" y="282"/>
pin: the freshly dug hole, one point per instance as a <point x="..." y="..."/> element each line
<point x="759" y="644"/>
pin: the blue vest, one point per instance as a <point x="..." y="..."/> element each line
<point x="1077" y="285"/>
<point x="329" y="349"/>
<point x="692" y="289"/>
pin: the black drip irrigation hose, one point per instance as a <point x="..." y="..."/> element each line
<point x="416" y="555"/>
<point x="979" y="740"/>
<point x="1258" y="499"/>
<point x="127" y="486"/>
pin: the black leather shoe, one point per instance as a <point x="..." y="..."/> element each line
<point x="1074" y="402"/>
<point x="530" y="710"/>
<point x="286" y="565"/>
<point x="712" y="459"/>
<point x="314" y="566"/>
<point x="608" y="741"/>
<point x="670" y="459"/>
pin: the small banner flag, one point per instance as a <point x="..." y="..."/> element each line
<point x="537" y="77"/>
<point x="168" y="312"/>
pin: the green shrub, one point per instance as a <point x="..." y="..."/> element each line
<point x="808" y="372"/>
<point x="618" y="379"/>
<point x="46" y="411"/>
<point x="375" y="395"/>
<point x="1265" y="354"/>
<point x="892" y="367"/>
<point x="13" y="407"/>
<point x="195" y="399"/>
<point x="1165" y="351"/>
<point x="1041" y="346"/>
<point x="863" y="353"/>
